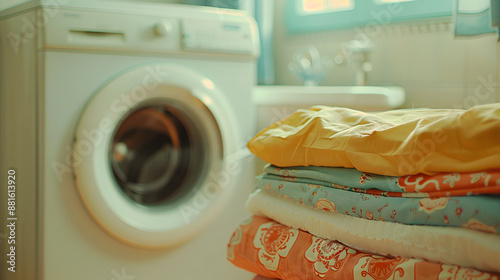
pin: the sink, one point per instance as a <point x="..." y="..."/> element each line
<point x="367" y="98"/>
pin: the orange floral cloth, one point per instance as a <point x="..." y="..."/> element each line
<point x="452" y="184"/>
<point x="270" y="249"/>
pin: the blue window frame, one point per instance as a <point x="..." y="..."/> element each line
<point x="363" y="12"/>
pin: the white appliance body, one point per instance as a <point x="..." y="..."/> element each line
<point x="70" y="77"/>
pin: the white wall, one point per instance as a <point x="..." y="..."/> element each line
<point x="437" y="70"/>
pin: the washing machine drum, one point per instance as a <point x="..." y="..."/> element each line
<point x="151" y="155"/>
<point x="154" y="151"/>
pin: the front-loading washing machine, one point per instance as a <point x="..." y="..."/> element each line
<point x="122" y="135"/>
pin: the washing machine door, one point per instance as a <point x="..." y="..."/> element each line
<point x="151" y="155"/>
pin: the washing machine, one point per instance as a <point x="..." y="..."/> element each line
<point x="123" y="128"/>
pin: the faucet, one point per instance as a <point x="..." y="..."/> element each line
<point x="358" y="52"/>
<point x="307" y="65"/>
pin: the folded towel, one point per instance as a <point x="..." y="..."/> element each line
<point x="446" y="245"/>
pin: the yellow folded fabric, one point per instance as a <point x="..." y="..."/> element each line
<point x="396" y="143"/>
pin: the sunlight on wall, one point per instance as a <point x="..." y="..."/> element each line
<point x="326" y="5"/>
<point x="333" y="5"/>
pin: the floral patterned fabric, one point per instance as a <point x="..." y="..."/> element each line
<point x="474" y="212"/>
<point x="277" y="251"/>
<point x="420" y="185"/>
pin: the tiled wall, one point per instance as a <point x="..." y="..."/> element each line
<point x="436" y="69"/>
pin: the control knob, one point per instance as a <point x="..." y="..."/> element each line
<point x="162" y="29"/>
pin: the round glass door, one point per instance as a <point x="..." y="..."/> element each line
<point x="159" y="156"/>
<point x="151" y="154"/>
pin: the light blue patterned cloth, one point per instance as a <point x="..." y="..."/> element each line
<point x="329" y="176"/>
<point x="478" y="212"/>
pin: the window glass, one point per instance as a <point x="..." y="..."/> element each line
<point x="312" y="6"/>
<point x="317" y="15"/>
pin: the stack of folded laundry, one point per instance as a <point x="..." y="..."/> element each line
<point x="403" y="194"/>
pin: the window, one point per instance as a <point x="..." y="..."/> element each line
<point x="317" y="15"/>
<point x="311" y="6"/>
<point x="392" y="1"/>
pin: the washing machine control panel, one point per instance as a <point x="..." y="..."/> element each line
<point x="217" y="36"/>
<point x="90" y="30"/>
